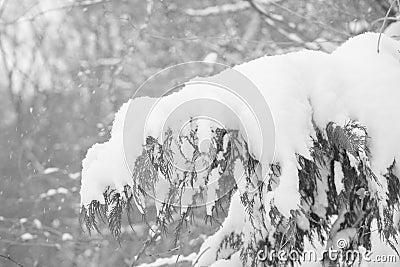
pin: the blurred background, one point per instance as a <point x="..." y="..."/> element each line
<point x="65" y="68"/>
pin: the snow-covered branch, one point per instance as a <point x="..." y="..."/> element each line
<point x="332" y="175"/>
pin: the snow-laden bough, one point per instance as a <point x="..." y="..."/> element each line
<point x="331" y="173"/>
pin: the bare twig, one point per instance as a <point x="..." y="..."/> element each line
<point x="70" y="6"/>
<point x="10" y="259"/>
<point x="201" y="254"/>
<point x="177" y="259"/>
<point x="273" y="20"/>
<point x="259" y="9"/>
<point x="383" y="25"/>
<point x="384" y="18"/>
<point x="218" y="10"/>
<point x="33" y="244"/>
<point x="311" y="19"/>
<point x="3" y="4"/>
<point x="9" y="72"/>
<point x="166" y="252"/>
<point x="148" y="242"/>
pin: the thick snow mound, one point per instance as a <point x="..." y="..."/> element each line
<point x="353" y="83"/>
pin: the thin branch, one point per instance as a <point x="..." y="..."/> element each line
<point x="28" y="243"/>
<point x="3" y="4"/>
<point x="177" y="259"/>
<point x="201" y="254"/>
<point x="218" y="10"/>
<point x="272" y="19"/>
<point x="9" y="72"/>
<point x="382" y="19"/>
<point x="203" y="39"/>
<point x="164" y="253"/>
<point x="383" y="25"/>
<point x="258" y="9"/>
<point x="10" y="259"/>
<point x="145" y="245"/>
<point x="311" y="19"/>
<point x="86" y="3"/>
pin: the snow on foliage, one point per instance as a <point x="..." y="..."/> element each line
<point x="336" y="116"/>
<point x="232" y="225"/>
<point x="27" y="236"/>
<point x="67" y="237"/>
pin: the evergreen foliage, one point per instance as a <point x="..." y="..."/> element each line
<point x="354" y="207"/>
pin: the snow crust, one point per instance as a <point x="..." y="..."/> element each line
<point x="352" y="83"/>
